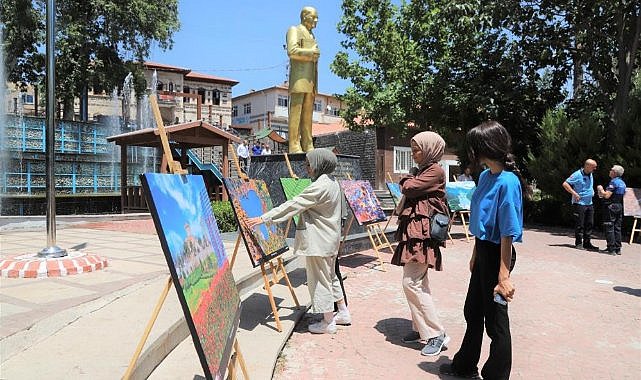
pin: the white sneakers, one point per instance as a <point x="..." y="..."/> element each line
<point x="322" y="327"/>
<point x="343" y="318"/>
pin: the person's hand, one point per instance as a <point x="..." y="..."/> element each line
<point x="413" y="171"/>
<point x="576" y="196"/>
<point x="599" y="187"/>
<point x="505" y="288"/>
<point x="253" y="222"/>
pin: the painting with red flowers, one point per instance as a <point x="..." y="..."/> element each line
<point x="196" y="257"/>
<point x="363" y="202"/>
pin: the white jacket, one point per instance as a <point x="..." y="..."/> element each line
<point x="318" y="232"/>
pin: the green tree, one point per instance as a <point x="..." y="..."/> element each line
<point x="97" y="41"/>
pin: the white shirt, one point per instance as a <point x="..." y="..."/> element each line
<point x="318" y="232"/>
<point x="242" y="151"/>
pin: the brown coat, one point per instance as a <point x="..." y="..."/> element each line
<point x="424" y="196"/>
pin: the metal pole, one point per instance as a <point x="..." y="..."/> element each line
<point x="50" y="133"/>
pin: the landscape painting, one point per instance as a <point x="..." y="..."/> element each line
<point x="294" y="186"/>
<point x="250" y="198"/>
<point x="395" y="191"/>
<point x="459" y="195"/>
<point x="196" y="257"/>
<point x="363" y="202"/>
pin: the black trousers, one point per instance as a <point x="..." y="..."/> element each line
<point x="481" y="309"/>
<point x="584" y="218"/>
<point x="613" y="216"/>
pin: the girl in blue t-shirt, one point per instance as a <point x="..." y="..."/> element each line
<point x="496" y="220"/>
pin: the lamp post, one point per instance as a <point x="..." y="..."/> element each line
<point x="52" y="250"/>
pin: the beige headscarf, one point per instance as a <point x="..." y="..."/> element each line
<point x="322" y="161"/>
<point x="432" y="145"/>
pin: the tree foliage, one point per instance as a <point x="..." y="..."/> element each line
<point x="97" y="41"/>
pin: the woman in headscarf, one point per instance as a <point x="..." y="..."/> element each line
<point x="423" y="196"/>
<point x="318" y="234"/>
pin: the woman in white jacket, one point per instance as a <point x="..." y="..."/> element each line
<point x="318" y="235"/>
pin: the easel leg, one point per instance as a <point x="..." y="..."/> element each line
<point x="634" y="229"/>
<point x="467" y="235"/>
<point x="241" y="360"/>
<point x="371" y="239"/>
<point x="268" y="287"/>
<point x="150" y="324"/>
<point x="233" y="256"/>
<point x="382" y="231"/>
<point x="289" y="284"/>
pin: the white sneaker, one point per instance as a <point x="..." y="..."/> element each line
<point x="343" y="318"/>
<point x="322" y="327"/>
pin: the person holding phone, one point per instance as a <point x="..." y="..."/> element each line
<point x="496" y="221"/>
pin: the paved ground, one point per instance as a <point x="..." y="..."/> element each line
<point x="576" y="315"/>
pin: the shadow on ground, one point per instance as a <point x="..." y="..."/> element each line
<point x="432" y="367"/>
<point x="627" y="290"/>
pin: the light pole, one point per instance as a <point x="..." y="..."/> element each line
<point x="52" y="250"/>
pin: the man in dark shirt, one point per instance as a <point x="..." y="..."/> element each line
<point x="613" y="209"/>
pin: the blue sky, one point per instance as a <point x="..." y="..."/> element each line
<point x="243" y="40"/>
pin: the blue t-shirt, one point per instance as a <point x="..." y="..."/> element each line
<point x="583" y="184"/>
<point x="497" y="207"/>
<point x="616" y="186"/>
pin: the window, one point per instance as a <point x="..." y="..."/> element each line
<point x="27" y="99"/>
<point x="283" y="101"/>
<point x="247" y="108"/>
<point x="201" y="92"/>
<point x="160" y="86"/>
<point x="171" y="86"/>
<point x="216" y="97"/>
<point x="234" y="111"/>
<point x="318" y="106"/>
<point x="186" y="90"/>
<point x="334" y="111"/>
<point x="402" y="159"/>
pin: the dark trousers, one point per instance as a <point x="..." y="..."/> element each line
<point x="337" y="268"/>
<point x="613" y="216"/>
<point x="481" y="309"/>
<point x="584" y="217"/>
<point x="244" y="163"/>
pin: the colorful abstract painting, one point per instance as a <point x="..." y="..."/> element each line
<point x="395" y="191"/>
<point x="459" y="195"/>
<point x="632" y="202"/>
<point x="251" y="199"/>
<point x="363" y="202"/>
<point x="196" y="257"/>
<point x="294" y="186"/>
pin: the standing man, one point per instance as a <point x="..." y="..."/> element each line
<point x="581" y="185"/>
<point x="613" y="209"/>
<point x="243" y="154"/>
<point x="303" y="54"/>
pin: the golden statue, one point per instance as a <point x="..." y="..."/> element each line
<point x="303" y="54"/>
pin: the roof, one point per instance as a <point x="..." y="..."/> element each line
<point x="194" y="134"/>
<point x="242" y="126"/>
<point x="328" y="129"/>
<point x="189" y="74"/>
<point x="282" y="86"/>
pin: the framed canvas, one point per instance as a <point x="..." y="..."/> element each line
<point x="294" y="186"/>
<point x="199" y="268"/>
<point x="395" y="191"/>
<point x="459" y="194"/>
<point x="632" y="202"/>
<point x="251" y="199"/>
<point x="363" y="202"/>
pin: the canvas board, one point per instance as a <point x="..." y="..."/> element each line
<point x="250" y="198"/>
<point x="395" y="191"/>
<point x="632" y="202"/>
<point x="363" y="202"/>
<point x="459" y="195"/>
<point x="198" y="264"/>
<point x="294" y="186"/>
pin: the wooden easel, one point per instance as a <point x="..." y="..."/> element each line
<point x="174" y="168"/>
<point x="634" y="228"/>
<point x="462" y="214"/>
<point x="376" y="235"/>
<point x="278" y="271"/>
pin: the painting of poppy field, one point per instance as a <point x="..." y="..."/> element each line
<point x="294" y="186"/>
<point x="250" y="198"/>
<point x="196" y="257"/>
<point x="363" y="202"/>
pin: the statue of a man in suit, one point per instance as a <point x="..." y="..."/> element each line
<point x="303" y="53"/>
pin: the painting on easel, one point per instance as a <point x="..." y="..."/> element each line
<point x="250" y="198"/>
<point x="363" y="202"/>
<point x="294" y="186"/>
<point x="632" y="202"/>
<point x="395" y="191"/>
<point x="195" y="254"/>
<point x="459" y="195"/>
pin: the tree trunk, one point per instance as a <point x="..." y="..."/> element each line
<point x="628" y="48"/>
<point x="68" y="109"/>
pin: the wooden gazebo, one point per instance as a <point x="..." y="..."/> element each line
<point x="197" y="134"/>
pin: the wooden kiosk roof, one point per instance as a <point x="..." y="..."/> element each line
<point x="196" y="134"/>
